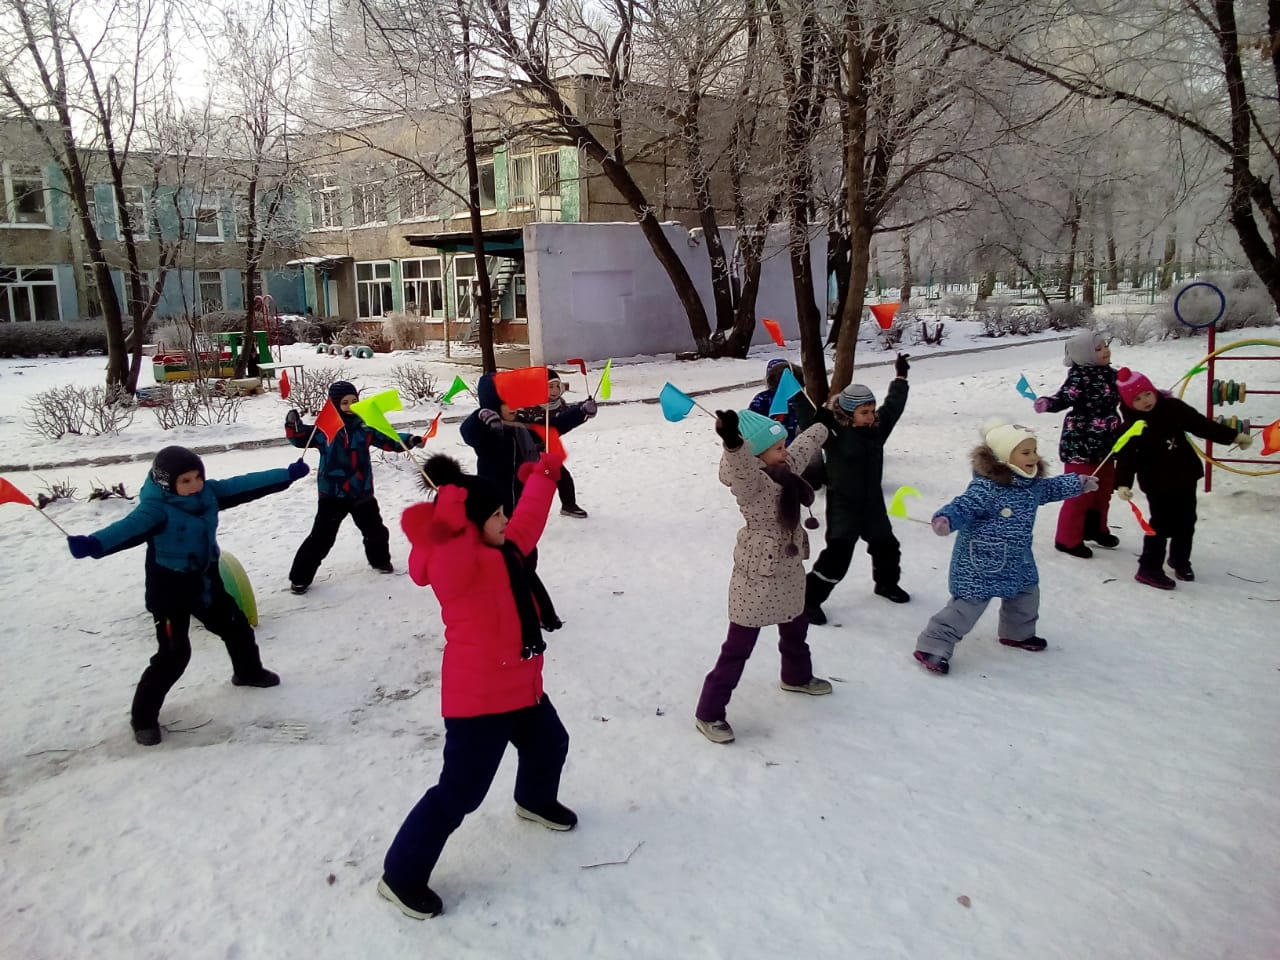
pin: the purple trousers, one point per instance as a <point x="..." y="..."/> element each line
<point x="797" y="665"/>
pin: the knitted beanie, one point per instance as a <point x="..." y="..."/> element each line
<point x="1083" y="347"/>
<point x="171" y="463"/>
<point x="483" y="499"/>
<point x="1003" y="438"/>
<point x="341" y="388"/>
<point x="759" y="432"/>
<point x="1132" y="383"/>
<point x="855" y="395"/>
<point x="552" y="376"/>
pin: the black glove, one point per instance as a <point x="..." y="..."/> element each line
<point x="901" y="366"/>
<point x="415" y="442"/>
<point x="82" y="547"/>
<point x="298" y="469"/>
<point x="589" y="407"/>
<point x="293" y="420"/>
<point x="825" y="416"/>
<point x="533" y="649"/>
<point x="727" y="427"/>
<point x="491" y="419"/>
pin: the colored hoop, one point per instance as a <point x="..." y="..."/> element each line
<point x="1230" y="346"/>
<point x="1222" y="305"/>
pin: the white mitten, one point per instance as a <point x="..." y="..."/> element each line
<point x="1124" y="493"/>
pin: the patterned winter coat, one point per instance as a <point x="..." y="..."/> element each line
<point x="181" y="534"/>
<point x="1160" y="456"/>
<point x="482" y="671"/>
<point x="767" y="586"/>
<point x="1089" y="430"/>
<point x="994" y="519"/>
<point x="345" y="467"/>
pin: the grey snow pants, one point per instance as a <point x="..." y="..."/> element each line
<point x="947" y="627"/>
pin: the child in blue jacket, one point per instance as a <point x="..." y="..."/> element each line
<point x="177" y="518"/>
<point x="563" y="417"/>
<point x="992" y="556"/>
<point x="345" y="484"/>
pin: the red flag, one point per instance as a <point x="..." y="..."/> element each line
<point x="329" y="422"/>
<point x="579" y="363"/>
<point x="431" y="430"/>
<point x="11" y="494"/>
<point x="550" y="437"/>
<point x="526" y="387"/>
<point x="884" y="313"/>
<point x="775" y="331"/>
<point x="284" y="385"/>
<point x="1142" y="521"/>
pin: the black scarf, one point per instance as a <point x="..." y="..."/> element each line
<point x="533" y="603"/>
<point x="796" y="493"/>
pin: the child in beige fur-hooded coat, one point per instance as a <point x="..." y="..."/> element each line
<point x="768" y="581"/>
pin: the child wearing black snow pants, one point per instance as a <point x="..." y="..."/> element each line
<point x="563" y="417"/>
<point x="345" y="484"/>
<point x="177" y="518"/>
<point x="855" y="501"/>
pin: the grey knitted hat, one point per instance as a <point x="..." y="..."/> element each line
<point x="854" y="396"/>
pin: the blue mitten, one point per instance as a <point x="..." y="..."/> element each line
<point x="298" y="469"/>
<point x="82" y="547"/>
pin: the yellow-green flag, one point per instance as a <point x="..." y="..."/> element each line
<point x="459" y="386"/>
<point x="604" y="390"/>
<point x="1128" y="435"/>
<point x="897" y="508"/>
<point x="373" y="411"/>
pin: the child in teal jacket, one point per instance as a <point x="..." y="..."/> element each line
<point x="177" y="518"/>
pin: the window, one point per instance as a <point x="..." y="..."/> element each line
<point x="520" y="290"/>
<point x="373" y="289"/>
<point x="368" y="203"/>
<point x="423" y="284"/>
<point x="415" y="192"/>
<point x="148" y="280"/>
<point x="251" y="294"/>
<point x="326" y="210"/>
<point x="464" y="272"/>
<point x="209" y="296"/>
<point x="488" y="190"/>
<point x="92" y="301"/>
<point x="522" y="187"/>
<point x="24" y="196"/>
<point x="206" y="224"/>
<point x="548" y="187"/>
<point x="28" y="294"/>
<point x="135" y="202"/>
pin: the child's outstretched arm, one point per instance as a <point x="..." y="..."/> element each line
<point x="530" y="516"/>
<point x="571" y="415"/>
<point x="1063" y="487"/>
<point x="1066" y="396"/>
<point x="250" y="486"/>
<point x="383" y="442"/>
<point x="976" y="503"/>
<point x="1192" y="421"/>
<point x="142" y="523"/>
<point x="303" y="435"/>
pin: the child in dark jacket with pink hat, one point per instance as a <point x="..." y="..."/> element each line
<point x="1168" y="469"/>
<point x="494" y="609"/>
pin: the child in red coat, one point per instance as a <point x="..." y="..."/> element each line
<point x="494" y="609"/>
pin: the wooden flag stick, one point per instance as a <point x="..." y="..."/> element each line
<point x="51" y="520"/>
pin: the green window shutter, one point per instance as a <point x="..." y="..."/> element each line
<point x="104" y="199"/>
<point x="570" y="186"/>
<point x="501" y="186"/>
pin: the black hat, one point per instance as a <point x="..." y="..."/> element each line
<point x="552" y="376"/>
<point x="483" y="498"/>
<point x="171" y="463"/>
<point x="342" y="388"/>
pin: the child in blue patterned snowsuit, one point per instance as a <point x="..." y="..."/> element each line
<point x="177" y="518"/>
<point x="345" y="484"/>
<point x="994" y="519"/>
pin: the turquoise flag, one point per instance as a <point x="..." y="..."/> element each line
<point x="788" y="387"/>
<point x="675" y="403"/>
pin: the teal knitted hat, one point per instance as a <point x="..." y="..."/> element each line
<point x="759" y="432"/>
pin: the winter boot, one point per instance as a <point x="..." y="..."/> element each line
<point x="933" y="663"/>
<point x="262" y="678"/>
<point x="894" y="593"/>
<point x="298" y="588"/>
<point x="1079" y="550"/>
<point x="555" y="817"/>
<point x="1184" y="572"/>
<point x="385" y="568"/>
<point x="717" y="731"/>
<point x="1104" y="539"/>
<point x="1154" y="578"/>
<point x="575" y="511"/>
<point x="421" y="907"/>
<point x="147" y="736"/>
<point x="815" y="687"/>
<point x="1030" y="643"/>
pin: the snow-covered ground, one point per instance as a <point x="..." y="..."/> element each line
<point x="1114" y="797"/>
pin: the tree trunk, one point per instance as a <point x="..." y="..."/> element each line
<point x="1069" y="268"/>
<point x="721" y="289"/>
<point x="1089" y="275"/>
<point x="488" y="361"/>
<point x="851" y="319"/>
<point x="986" y="285"/>
<point x="1170" y="256"/>
<point x="904" y="294"/>
<point x="1113" y="267"/>
<point x="838" y="264"/>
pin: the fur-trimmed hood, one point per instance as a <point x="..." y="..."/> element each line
<point x="984" y="463"/>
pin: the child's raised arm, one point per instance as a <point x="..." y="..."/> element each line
<point x="529" y="518"/>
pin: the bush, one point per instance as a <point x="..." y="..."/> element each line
<point x="52" y="339"/>
<point x="1131" y="327"/>
<point x="90" y="411"/>
<point x="1248" y="304"/>
<point x="1069" y="315"/>
<point x="196" y="403"/>
<point x="404" y="332"/>
<point x="955" y="305"/>
<point x="414" y="382"/>
<point x="309" y="391"/>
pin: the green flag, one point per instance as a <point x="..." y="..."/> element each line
<point x="1128" y="435"/>
<point x="604" y="389"/>
<point x="897" y="506"/>
<point x="373" y="411"/>
<point x="459" y="386"/>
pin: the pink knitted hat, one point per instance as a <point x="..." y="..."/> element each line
<point x="1132" y="383"/>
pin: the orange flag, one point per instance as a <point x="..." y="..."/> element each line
<point x="329" y="422"/>
<point x="550" y="437"/>
<point x="775" y="331"/>
<point x="884" y="313"/>
<point x="1142" y="521"/>
<point x="285" y="386"/>
<point x="11" y="494"/>
<point x="526" y="387"/>
<point x="431" y="430"/>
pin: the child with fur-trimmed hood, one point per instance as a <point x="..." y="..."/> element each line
<point x="994" y="520"/>
<point x="767" y="585"/>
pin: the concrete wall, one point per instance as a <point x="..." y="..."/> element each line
<point x="596" y="290"/>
